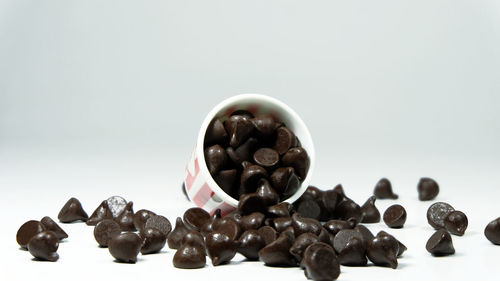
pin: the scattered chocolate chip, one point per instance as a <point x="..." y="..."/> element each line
<point x="297" y="158"/>
<point x="395" y="216"/>
<point x="268" y="233"/>
<point x="216" y="158"/>
<point x="104" y="230"/>
<point x="252" y="221"/>
<point x="311" y="248"/>
<point x="302" y="225"/>
<point x="228" y="227"/>
<point x="126" y="218"/>
<point x="308" y="208"/>
<point x="383" y="190"/>
<point x="428" y="189"/>
<point x="216" y="134"/>
<point x="347" y="209"/>
<point x="239" y="128"/>
<point x="100" y="213"/>
<point x="140" y="218"/>
<point x="456" y="223"/>
<point x="280" y="224"/>
<point x="250" y="244"/>
<point x="266" y="157"/>
<point x="43" y="246"/>
<point x="285" y="139"/>
<point x="321" y="263"/>
<point x="250" y="177"/>
<point x="264" y="125"/>
<point x="437" y="212"/>
<point x="354" y="253"/>
<point x="195" y="218"/>
<point x="125" y="247"/>
<point x="369" y="211"/>
<point x="191" y="254"/>
<point x="328" y="200"/>
<point x="226" y="179"/>
<point x="153" y="240"/>
<point x="285" y="181"/>
<point x="27" y="231"/>
<point x="440" y="243"/>
<point x="334" y="226"/>
<point x="116" y="205"/>
<point x="213" y="220"/>
<point x="492" y="231"/>
<point x="365" y="233"/>
<point x="277" y="252"/>
<point x="383" y="251"/>
<point x="301" y="243"/>
<point x="220" y="248"/>
<point x="51" y="225"/>
<point x="251" y="202"/>
<point x="401" y="247"/>
<point x="342" y="237"/>
<point x="175" y="237"/>
<point x="267" y="193"/>
<point x="279" y="210"/>
<point x="159" y="222"/>
<point x="243" y="152"/>
<point x="72" y="211"/>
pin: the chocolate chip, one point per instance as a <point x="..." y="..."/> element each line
<point x="264" y="125"/>
<point x="43" y="246"/>
<point x="440" y="243"/>
<point x="343" y="236"/>
<point x="279" y="210"/>
<point x="126" y="218"/>
<point x="220" y="248"/>
<point x="301" y="243"/>
<point x="27" y="231"/>
<point x="492" y="231"/>
<point x="51" y="225"/>
<point x="251" y="202"/>
<point x="175" y="237"/>
<point x="226" y="179"/>
<point x="324" y="236"/>
<point x="383" y="190"/>
<point x="309" y="209"/>
<point x="456" y="223"/>
<point x="329" y="200"/>
<point x="104" y="230"/>
<point x="321" y="263"/>
<point x="191" y="254"/>
<point x="243" y="113"/>
<point x="125" y="247"/>
<point x="312" y="193"/>
<point x="348" y="209"/>
<point x="250" y="244"/>
<point x="116" y="205"/>
<point x="72" y="211"/>
<point x="334" y="226"/>
<point x="285" y="139"/>
<point x="159" y="222"/>
<point x="395" y="216"/>
<point x="100" y="213"/>
<point x="354" y="253"/>
<point x="216" y="134"/>
<point x="195" y="218"/>
<point x="267" y="193"/>
<point x="437" y="212"/>
<point x="208" y="226"/>
<point x="252" y="221"/>
<point x="216" y="158"/>
<point x="250" y="177"/>
<point x="401" y="247"/>
<point x="266" y="157"/>
<point x="153" y="240"/>
<point x="243" y="152"/>
<point x="427" y="188"/>
<point x="297" y="158"/>
<point x="303" y="225"/>
<point x="268" y="233"/>
<point x="228" y="227"/>
<point x="277" y="252"/>
<point x="369" y="211"/>
<point x="280" y="224"/>
<point x="239" y="128"/>
<point x="383" y="251"/>
<point x="365" y="233"/>
<point x="140" y="218"/>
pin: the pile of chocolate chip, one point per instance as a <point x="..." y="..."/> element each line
<point x="245" y="149"/>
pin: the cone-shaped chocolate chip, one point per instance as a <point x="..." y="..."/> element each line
<point x="116" y="205"/>
<point x="365" y="233"/>
<point x="252" y="221"/>
<point x="72" y="211"/>
<point x="175" y="237"/>
<point x="347" y="209"/>
<point x="437" y="212"/>
<point x="250" y="177"/>
<point x="195" y="218"/>
<point x="301" y="243"/>
<point x="266" y="157"/>
<point x="226" y="179"/>
<point x="324" y="236"/>
<point x="264" y="125"/>
<point x="228" y="227"/>
<point x="239" y="128"/>
<point x="243" y="152"/>
<point x="303" y="225"/>
<point x="401" y="247"/>
<point x="309" y="208"/>
<point x="383" y="190"/>
<point x="297" y="158"/>
<point x="395" y="216"/>
<point x="456" y="223"/>
<point x="321" y="263"/>
<point x="279" y="210"/>
<point x="153" y="240"/>
<point x="329" y="200"/>
<point x="285" y="139"/>
<point x="43" y="246"/>
<point x="216" y="134"/>
<point x="268" y="233"/>
<point x="277" y="252"/>
<point x="428" y="189"/>
<point x="440" y="244"/>
<point x="250" y="244"/>
<point x="267" y="193"/>
<point x="104" y="230"/>
<point x="251" y="202"/>
<point x="334" y="226"/>
<point x="492" y="231"/>
<point x="51" y="225"/>
<point x="159" y="222"/>
<point x="100" y="213"/>
<point x="343" y="237"/>
<point x="311" y="248"/>
<point x="126" y="218"/>
<point x="354" y="253"/>
<point x="27" y="231"/>
<point x="340" y="191"/>
<point x="312" y="193"/>
<point x="208" y="226"/>
<point x="220" y="248"/>
<point x="369" y="211"/>
<point x="125" y="247"/>
<point x="140" y="218"/>
<point x="191" y="254"/>
<point x="282" y="223"/>
<point x="383" y="251"/>
<point x="216" y="158"/>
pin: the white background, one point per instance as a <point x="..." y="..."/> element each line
<point x="101" y="98"/>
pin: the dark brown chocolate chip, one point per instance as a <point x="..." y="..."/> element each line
<point x="401" y="247"/>
<point x="440" y="244"/>
<point x="51" y="225"/>
<point x="280" y="224"/>
<point x="43" y="246"/>
<point x="334" y="226"/>
<point x="216" y="158"/>
<point x="354" y="253"/>
<point x="250" y="244"/>
<point x="321" y="263"/>
<point x="175" y="237"/>
<point x="383" y="190"/>
<point x="220" y="248"/>
<point x="72" y="211"/>
<point x="27" y="231"/>
<point x="309" y="209"/>
<point x="116" y="205"/>
<point x="492" y="231"/>
<point x="140" y="218"/>
<point x="153" y="240"/>
<point x="268" y="233"/>
<point x="314" y="247"/>
<point x="383" y="250"/>
<point x="365" y="233"/>
<point x="126" y="218"/>
<point x="216" y="134"/>
<point x="428" y="189"/>
<point x="194" y="237"/>
<point x="228" y="227"/>
<point x="369" y="211"/>
<point x="456" y="223"/>
<point x="239" y="128"/>
<point x="303" y="225"/>
<point x="226" y="179"/>
<point x="267" y="193"/>
<point x="250" y="177"/>
<point x="279" y="210"/>
<point x="285" y="181"/>
<point x="195" y="218"/>
<point x="104" y="230"/>
<point x="212" y="221"/>
<point x="297" y="158"/>
<point x="191" y="254"/>
<point x="343" y="236"/>
<point x="251" y="202"/>
<point x="312" y="193"/>
<point x="100" y="213"/>
<point x="395" y="216"/>
<point x="252" y="221"/>
<point x="159" y="222"/>
<point x="301" y="243"/>
<point x="266" y="157"/>
<point x="125" y="247"/>
<point x="243" y="152"/>
<point x="264" y="125"/>
<point x="437" y="212"/>
<point x="324" y="236"/>
<point x="329" y="200"/>
<point x="347" y="209"/>
<point x="277" y="252"/>
<point x="285" y="139"/>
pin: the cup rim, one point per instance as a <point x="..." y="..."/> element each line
<point x="252" y="97"/>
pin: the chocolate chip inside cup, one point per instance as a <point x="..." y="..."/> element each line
<point x="242" y="149"/>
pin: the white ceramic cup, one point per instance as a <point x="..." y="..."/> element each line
<point x="202" y="189"/>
